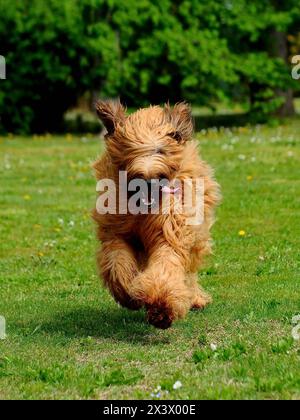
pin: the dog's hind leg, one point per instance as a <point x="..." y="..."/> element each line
<point x="161" y="286"/>
<point x="118" y="265"/>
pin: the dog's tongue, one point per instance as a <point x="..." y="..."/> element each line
<point x="168" y="190"/>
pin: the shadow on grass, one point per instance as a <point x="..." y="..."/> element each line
<point x="117" y="323"/>
<point x="79" y="124"/>
<point x="224" y="120"/>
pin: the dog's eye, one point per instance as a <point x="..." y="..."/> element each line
<point x="176" y="136"/>
<point x="160" y="151"/>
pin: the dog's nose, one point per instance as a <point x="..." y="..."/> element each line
<point x="151" y="181"/>
<point x="156" y="178"/>
<point x="161" y="177"/>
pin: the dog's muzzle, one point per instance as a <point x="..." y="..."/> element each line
<point x="151" y="191"/>
<point x="150" y="195"/>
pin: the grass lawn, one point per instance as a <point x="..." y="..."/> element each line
<point x="66" y="337"/>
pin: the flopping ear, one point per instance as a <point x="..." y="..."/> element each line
<point x="181" y="119"/>
<point x="111" y="113"/>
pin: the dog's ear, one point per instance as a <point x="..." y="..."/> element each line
<point x="181" y="118"/>
<point x="111" y="113"/>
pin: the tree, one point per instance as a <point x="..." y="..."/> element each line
<point x="54" y="52"/>
<point x="145" y="51"/>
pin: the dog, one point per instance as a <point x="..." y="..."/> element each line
<point x="151" y="260"/>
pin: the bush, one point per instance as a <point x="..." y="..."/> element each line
<point x="53" y="56"/>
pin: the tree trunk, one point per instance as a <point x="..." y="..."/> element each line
<point x="279" y="48"/>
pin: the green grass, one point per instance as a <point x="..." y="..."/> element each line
<point x="66" y="338"/>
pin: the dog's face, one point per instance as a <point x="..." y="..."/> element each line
<point x="148" y="144"/>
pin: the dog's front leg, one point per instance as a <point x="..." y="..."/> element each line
<point x="162" y="287"/>
<point x="118" y="265"/>
<point x="199" y="298"/>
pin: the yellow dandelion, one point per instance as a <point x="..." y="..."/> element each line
<point x="249" y="178"/>
<point x="294" y="49"/>
<point x="57" y="229"/>
<point x="243" y="130"/>
<point x="36" y="226"/>
<point x="69" y="137"/>
<point x="27" y="197"/>
<point x="41" y="254"/>
<point x="242" y="233"/>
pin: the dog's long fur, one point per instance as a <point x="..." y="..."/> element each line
<point x="152" y="260"/>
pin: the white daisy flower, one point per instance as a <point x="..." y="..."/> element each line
<point x="213" y="347"/>
<point x="177" y="385"/>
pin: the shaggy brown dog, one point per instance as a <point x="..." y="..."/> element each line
<point x="151" y="260"/>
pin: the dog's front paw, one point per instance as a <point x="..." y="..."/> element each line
<point x="160" y="316"/>
<point x="201" y="301"/>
